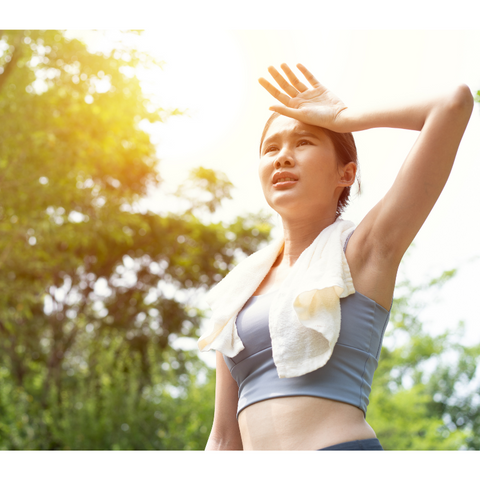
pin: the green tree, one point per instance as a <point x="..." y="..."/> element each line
<point x="426" y="393"/>
<point x="93" y="289"/>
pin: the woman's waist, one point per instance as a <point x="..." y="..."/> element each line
<point x="301" y="423"/>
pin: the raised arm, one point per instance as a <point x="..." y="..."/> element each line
<point x="392" y="224"/>
<point x="397" y="218"/>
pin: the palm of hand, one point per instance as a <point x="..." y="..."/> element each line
<point x="316" y="105"/>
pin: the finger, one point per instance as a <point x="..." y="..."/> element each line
<point x="273" y="91"/>
<point x="312" y="80"/>
<point x="292" y="77"/>
<point x="282" y="82"/>
<point x="288" y="112"/>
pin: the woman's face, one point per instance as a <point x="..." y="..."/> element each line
<point x="298" y="169"/>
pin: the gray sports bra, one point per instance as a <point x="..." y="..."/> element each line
<point x="346" y="377"/>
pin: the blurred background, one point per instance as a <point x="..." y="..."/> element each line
<point x="128" y="187"/>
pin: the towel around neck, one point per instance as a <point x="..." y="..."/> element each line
<point x="304" y="319"/>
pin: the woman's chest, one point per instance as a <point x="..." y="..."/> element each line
<point x="273" y="280"/>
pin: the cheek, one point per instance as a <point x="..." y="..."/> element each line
<point x="321" y="175"/>
<point x="263" y="174"/>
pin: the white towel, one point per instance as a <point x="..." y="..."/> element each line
<point x="304" y="319"/>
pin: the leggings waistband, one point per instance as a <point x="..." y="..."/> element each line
<point x="367" y="444"/>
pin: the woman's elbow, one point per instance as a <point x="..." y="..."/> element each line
<point x="462" y="100"/>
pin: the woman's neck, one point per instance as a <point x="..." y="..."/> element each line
<point x="299" y="235"/>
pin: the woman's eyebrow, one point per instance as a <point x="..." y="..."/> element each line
<point x="305" y="133"/>
<point x="295" y="133"/>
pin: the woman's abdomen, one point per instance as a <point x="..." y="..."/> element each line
<point x="301" y="423"/>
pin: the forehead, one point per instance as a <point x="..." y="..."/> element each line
<point x="283" y="126"/>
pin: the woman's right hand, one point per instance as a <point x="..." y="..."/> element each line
<point x="315" y="106"/>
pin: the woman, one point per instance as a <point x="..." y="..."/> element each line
<point x="306" y="172"/>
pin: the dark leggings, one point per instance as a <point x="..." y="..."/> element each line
<point x="368" y="444"/>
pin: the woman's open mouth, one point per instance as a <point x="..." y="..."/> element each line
<point x="284" y="179"/>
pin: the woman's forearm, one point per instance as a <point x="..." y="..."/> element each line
<point x="410" y="116"/>
<point x="218" y="443"/>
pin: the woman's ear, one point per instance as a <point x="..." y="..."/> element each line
<point x="348" y="173"/>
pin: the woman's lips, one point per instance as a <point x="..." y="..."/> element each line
<point x="284" y="179"/>
<point x="284" y="183"/>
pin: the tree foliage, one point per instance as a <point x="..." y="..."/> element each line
<point x="94" y="290"/>
<point x="426" y="390"/>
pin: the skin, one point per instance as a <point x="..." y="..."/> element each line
<point x="295" y="145"/>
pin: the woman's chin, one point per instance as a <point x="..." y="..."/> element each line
<point x="293" y="206"/>
<point x="287" y="206"/>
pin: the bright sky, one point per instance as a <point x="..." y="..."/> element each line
<point x="214" y="75"/>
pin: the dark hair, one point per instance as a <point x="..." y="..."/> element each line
<point x="345" y="149"/>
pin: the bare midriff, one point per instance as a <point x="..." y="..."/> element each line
<point x="301" y="423"/>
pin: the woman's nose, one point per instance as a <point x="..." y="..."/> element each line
<point x="284" y="159"/>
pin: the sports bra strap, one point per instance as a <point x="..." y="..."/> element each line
<point x="346" y="241"/>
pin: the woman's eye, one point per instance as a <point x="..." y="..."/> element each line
<point x="304" y="142"/>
